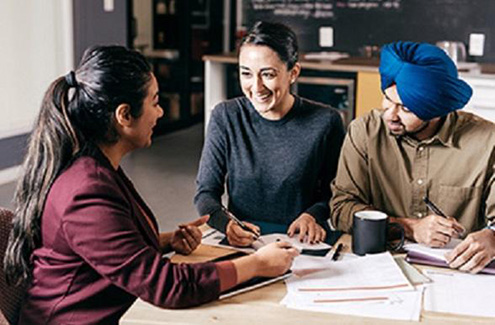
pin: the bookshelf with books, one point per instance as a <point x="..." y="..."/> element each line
<point x="183" y="31"/>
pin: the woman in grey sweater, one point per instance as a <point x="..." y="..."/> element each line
<point x="276" y="152"/>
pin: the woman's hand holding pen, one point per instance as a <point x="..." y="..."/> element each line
<point x="269" y="261"/>
<point x="275" y="258"/>
<point x="188" y="237"/>
<point x="240" y="237"/>
<point x="306" y="224"/>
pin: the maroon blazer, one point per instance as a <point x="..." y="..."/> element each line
<point x="99" y="253"/>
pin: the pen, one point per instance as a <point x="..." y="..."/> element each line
<point x="433" y="207"/>
<point x="439" y="212"/>
<point x="241" y="224"/>
<point x="337" y="252"/>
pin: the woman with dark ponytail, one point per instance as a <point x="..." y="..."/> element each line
<point x="83" y="240"/>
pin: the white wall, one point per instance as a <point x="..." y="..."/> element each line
<point x="36" y="47"/>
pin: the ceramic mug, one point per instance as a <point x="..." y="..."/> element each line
<point x="369" y="234"/>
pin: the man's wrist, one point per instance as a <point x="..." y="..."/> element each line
<point x="407" y="224"/>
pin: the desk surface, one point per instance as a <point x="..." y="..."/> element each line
<point x="261" y="306"/>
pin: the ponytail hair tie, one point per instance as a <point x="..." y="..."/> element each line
<point x="70" y="79"/>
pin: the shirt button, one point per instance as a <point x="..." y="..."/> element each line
<point x="420" y="181"/>
<point x="419" y="214"/>
<point x="421" y="148"/>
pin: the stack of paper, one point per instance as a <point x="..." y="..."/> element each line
<point x="459" y="293"/>
<point x="371" y="286"/>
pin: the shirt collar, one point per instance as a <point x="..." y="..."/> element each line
<point x="446" y="133"/>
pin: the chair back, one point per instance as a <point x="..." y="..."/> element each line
<point x="10" y="296"/>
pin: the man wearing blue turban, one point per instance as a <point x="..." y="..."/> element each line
<point x="420" y="146"/>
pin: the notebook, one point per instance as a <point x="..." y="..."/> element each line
<point x="421" y="254"/>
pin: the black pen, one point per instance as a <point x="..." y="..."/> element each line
<point x="439" y="212"/>
<point x="241" y="224"/>
<point x="434" y="208"/>
<point x="336" y="254"/>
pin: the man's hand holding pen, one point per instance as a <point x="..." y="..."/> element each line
<point x="437" y="229"/>
<point x="434" y="230"/>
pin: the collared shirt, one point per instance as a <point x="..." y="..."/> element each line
<point x="454" y="169"/>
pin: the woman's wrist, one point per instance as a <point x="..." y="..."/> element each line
<point x="247" y="267"/>
<point x="165" y="238"/>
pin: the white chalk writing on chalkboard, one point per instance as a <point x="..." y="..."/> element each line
<point x="368" y="4"/>
<point x="304" y="9"/>
<point x="319" y="8"/>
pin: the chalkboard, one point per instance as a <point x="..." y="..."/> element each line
<point x="357" y="23"/>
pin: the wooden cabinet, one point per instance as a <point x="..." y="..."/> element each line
<point x="368" y="92"/>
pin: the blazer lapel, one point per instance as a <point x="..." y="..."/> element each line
<point x="139" y="208"/>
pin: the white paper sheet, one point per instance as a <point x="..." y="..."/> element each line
<point x="370" y="286"/>
<point x="213" y="237"/>
<point x="371" y="272"/>
<point x="438" y="253"/>
<point x="294" y="241"/>
<point x="398" y="305"/>
<point x="460" y="293"/>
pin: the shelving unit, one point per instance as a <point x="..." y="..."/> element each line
<point x="183" y="31"/>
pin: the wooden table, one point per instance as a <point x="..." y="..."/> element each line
<point x="261" y="306"/>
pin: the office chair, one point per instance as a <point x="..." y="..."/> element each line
<point x="10" y="296"/>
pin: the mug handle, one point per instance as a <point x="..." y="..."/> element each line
<point x="397" y="246"/>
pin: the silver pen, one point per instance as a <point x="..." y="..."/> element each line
<point x="241" y="224"/>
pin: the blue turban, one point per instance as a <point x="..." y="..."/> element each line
<point x="426" y="79"/>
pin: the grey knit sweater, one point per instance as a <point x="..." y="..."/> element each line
<point x="274" y="170"/>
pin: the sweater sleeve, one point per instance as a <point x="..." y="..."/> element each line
<point x="99" y="226"/>
<point x="210" y="180"/>
<point x="333" y="144"/>
<point x="227" y="274"/>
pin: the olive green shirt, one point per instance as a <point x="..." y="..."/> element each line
<point x="454" y="168"/>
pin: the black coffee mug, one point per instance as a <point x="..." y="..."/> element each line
<point x="369" y="234"/>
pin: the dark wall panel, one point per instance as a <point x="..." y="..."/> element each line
<point x="95" y="26"/>
<point x="376" y="22"/>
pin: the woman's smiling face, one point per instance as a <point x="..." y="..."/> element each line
<point x="265" y="80"/>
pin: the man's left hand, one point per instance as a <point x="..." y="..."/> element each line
<point x="474" y="252"/>
<point x="306" y="224"/>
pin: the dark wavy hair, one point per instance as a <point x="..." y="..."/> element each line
<point x="279" y="37"/>
<point x="77" y="110"/>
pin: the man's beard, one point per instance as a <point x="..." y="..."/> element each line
<point x="412" y="133"/>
